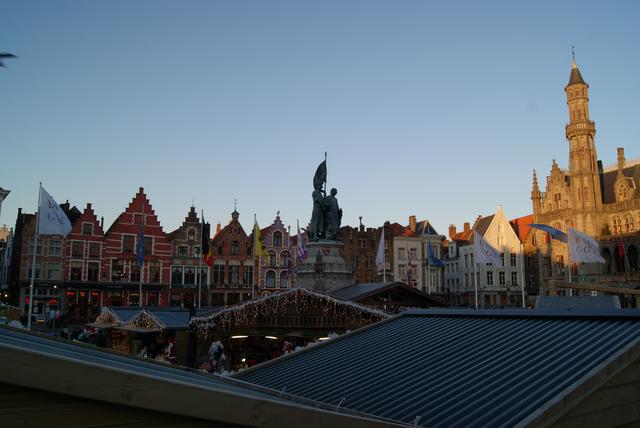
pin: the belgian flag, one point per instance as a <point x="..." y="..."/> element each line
<point x="207" y="253"/>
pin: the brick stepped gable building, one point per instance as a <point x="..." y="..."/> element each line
<point x="49" y="263"/>
<point x="84" y="270"/>
<point x="185" y="262"/>
<point x="273" y="274"/>
<point x="120" y="254"/>
<point x="233" y="265"/>
<point x="602" y="202"/>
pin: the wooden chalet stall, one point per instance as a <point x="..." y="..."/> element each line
<point x="265" y="328"/>
<point x="148" y="332"/>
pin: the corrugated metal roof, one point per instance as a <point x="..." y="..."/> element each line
<point x="201" y="387"/>
<point x="444" y="368"/>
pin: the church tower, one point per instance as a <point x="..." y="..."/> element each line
<point x="583" y="162"/>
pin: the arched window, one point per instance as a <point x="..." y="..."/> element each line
<point x="270" y="281"/>
<point x="235" y="248"/>
<point x="617" y="225"/>
<point x="272" y="259"/>
<point x="546" y="238"/>
<point x="284" y="258"/>
<point x="628" y="223"/>
<point x="277" y="239"/>
<point x="191" y="234"/>
<point x="284" y="279"/>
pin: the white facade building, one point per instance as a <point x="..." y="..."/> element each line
<point x="498" y="286"/>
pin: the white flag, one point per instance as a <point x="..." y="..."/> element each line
<point x="51" y="219"/>
<point x="483" y="252"/>
<point x="380" y="254"/>
<point x="583" y="248"/>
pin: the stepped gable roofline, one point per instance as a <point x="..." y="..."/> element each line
<point x="191" y="219"/>
<point x="87" y="216"/>
<point x="139" y="204"/>
<point x="233" y="222"/>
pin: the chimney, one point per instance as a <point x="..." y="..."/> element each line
<point x="102" y="223"/>
<point x="88" y="205"/>
<point x="621" y="159"/>
<point x="467" y="226"/>
<point x="412" y="223"/>
<point x="452" y="230"/>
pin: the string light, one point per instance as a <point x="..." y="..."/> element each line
<point x="301" y="299"/>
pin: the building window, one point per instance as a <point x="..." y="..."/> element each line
<point x="512" y="256"/>
<point x="284" y="258"/>
<point x="560" y="264"/>
<point x="117" y="269"/>
<point x="204" y="274"/>
<point x="272" y="259"/>
<point x="284" y="279"/>
<point x="270" y="279"/>
<point x="176" y="275"/>
<point x="148" y="245"/>
<point x="37" y="276"/>
<point x="248" y="251"/>
<point x="502" y="259"/>
<point x="77" y="249"/>
<point x="76" y="271"/>
<point x="363" y="243"/>
<point x="135" y="272"/>
<point x="220" y="250"/>
<point x="183" y="251"/>
<point x="546" y="238"/>
<point x="514" y="278"/>
<point x="218" y="274"/>
<point x="189" y="276"/>
<point x="402" y="254"/>
<point x="93" y="271"/>
<point x="277" y="239"/>
<point x="39" y="248"/>
<point x="154" y="271"/>
<point x="53" y="271"/>
<point x="501" y="278"/>
<point x="191" y="234"/>
<point x="489" y="278"/>
<point x="547" y="267"/>
<point x="235" y="248"/>
<point x="617" y="225"/>
<point x="402" y="271"/>
<point x="94" y="250"/>
<point x="412" y="254"/>
<point x="234" y="271"/>
<point x="248" y="275"/>
<point x="55" y="247"/>
<point x="128" y="244"/>
<point x="466" y="279"/>
<point x="87" y="228"/>
<point x="628" y="223"/>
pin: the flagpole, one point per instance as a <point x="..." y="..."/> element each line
<point x="33" y="263"/>
<point x="200" y="262"/>
<point x="429" y="274"/>
<point x="475" y="280"/>
<point x="255" y="252"/>
<point x="522" y="273"/>
<point x="142" y="264"/>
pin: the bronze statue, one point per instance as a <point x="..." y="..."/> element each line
<point x="326" y="215"/>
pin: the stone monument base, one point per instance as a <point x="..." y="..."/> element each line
<point x="324" y="270"/>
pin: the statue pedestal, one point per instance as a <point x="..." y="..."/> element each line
<point x="324" y="270"/>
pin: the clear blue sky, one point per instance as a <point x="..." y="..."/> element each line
<point x="438" y="109"/>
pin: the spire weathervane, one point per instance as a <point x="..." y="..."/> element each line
<point x="235" y="204"/>
<point x="573" y="53"/>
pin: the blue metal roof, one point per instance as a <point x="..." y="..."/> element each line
<point x="460" y="368"/>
